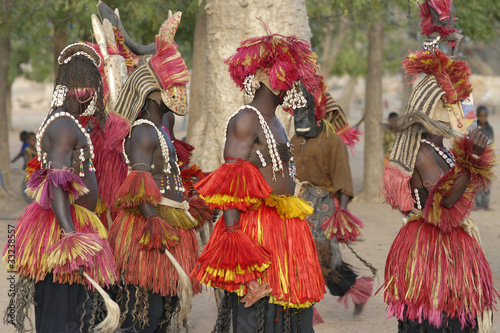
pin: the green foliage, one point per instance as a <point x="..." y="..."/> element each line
<point x="33" y="23"/>
<point x="477" y="20"/>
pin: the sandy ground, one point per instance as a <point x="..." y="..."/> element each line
<point x="382" y="225"/>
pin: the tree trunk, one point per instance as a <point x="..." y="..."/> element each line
<point x="346" y="97"/>
<point x="4" y="122"/>
<point x="214" y="96"/>
<point x="373" y="157"/>
<point x="8" y="98"/>
<point x="58" y="41"/>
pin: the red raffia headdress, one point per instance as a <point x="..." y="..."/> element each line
<point x="285" y="59"/>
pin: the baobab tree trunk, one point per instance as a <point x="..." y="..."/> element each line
<point x="4" y="122"/>
<point x="373" y="156"/>
<point x="214" y="96"/>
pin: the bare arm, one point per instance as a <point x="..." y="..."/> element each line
<point x="241" y="134"/>
<point x="142" y="143"/>
<point x="430" y="172"/>
<point x="62" y="135"/>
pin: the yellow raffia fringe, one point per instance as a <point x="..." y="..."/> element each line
<point x="176" y="217"/>
<point x="289" y="207"/>
<point x="224" y="199"/>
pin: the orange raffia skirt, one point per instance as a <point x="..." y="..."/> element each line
<point x="153" y="270"/>
<point x="278" y="224"/>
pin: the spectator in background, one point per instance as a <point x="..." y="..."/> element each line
<point x="22" y="137"/>
<point x="30" y="149"/>
<point x="389" y="136"/>
<point x="483" y="195"/>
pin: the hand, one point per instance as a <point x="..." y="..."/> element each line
<point x="255" y="292"/>
<point x="479" y="141"/>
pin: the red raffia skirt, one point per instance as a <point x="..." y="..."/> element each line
<point x="430" y="274"/>
<point x="153" y="270"/>
<point x="278" y="223"/>
<point x="38" y="229"/>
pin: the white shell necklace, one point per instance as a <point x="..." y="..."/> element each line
<point x="272" y="145"/>
<point x="42" y="156"/>
<point x="443" y="152"/>
<point x="165" y="153"/>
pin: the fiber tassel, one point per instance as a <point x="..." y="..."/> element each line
<point x="139" y="187"/>
<point x="342" y="225"/>
<point x="82" y="249"/>
<point x="155" y="233"/>
<point x="359" y="293"/>
<point x="200" y="211"/>
<point x="448" y="218"/>
<point x="233" y="185"/>
<point x="33" y="165"/>
<point x="231" y="259"/>
<point x="316" y="317"/>
<point x="396" y="189"/>
<point x="479" y="169"/>
<point x="183" y="150"/>
<point x="113" y="161"/>
<point x="39" y="186"/>
<point x="350" y="136"/>
<point x="184" y="289"/>
<point x="112" y="320"/>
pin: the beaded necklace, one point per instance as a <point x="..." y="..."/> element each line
<point x="167" y="170"/>
<point x="272" y="146"/>
<point x="443" y="152"/>
<point x="42" y="156"/>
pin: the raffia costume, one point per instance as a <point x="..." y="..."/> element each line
<point x="323" y="170"/>
<point x="272" y="242"/>
<point x="150" y="279"/>
<point x="46" y="256"/>
<point x="436" y="275"/>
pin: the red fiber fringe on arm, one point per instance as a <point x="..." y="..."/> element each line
<point x="39" y="186"/>
<point x="233" y="185"/>
<point x="447" y="218"/>
<point x="350" y="136"/>
<point x="231" y="258"/>
<point x="342" y="225"/>
<point x="479" y="169"/>
<point x="113" y="161"/>
<point x="156" y="233"/>
<point x="83" y="249"/>
<point x="396" y="189"/>
<point x="138" y="188"/>
<point x="200" y="211"/>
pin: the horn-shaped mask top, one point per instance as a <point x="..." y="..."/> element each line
<point x="285" y="59"/>
<point x="168" y="67"/>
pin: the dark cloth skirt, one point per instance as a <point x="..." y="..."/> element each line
<point x="63" y="308"/>
<point x="273" y="317"/>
